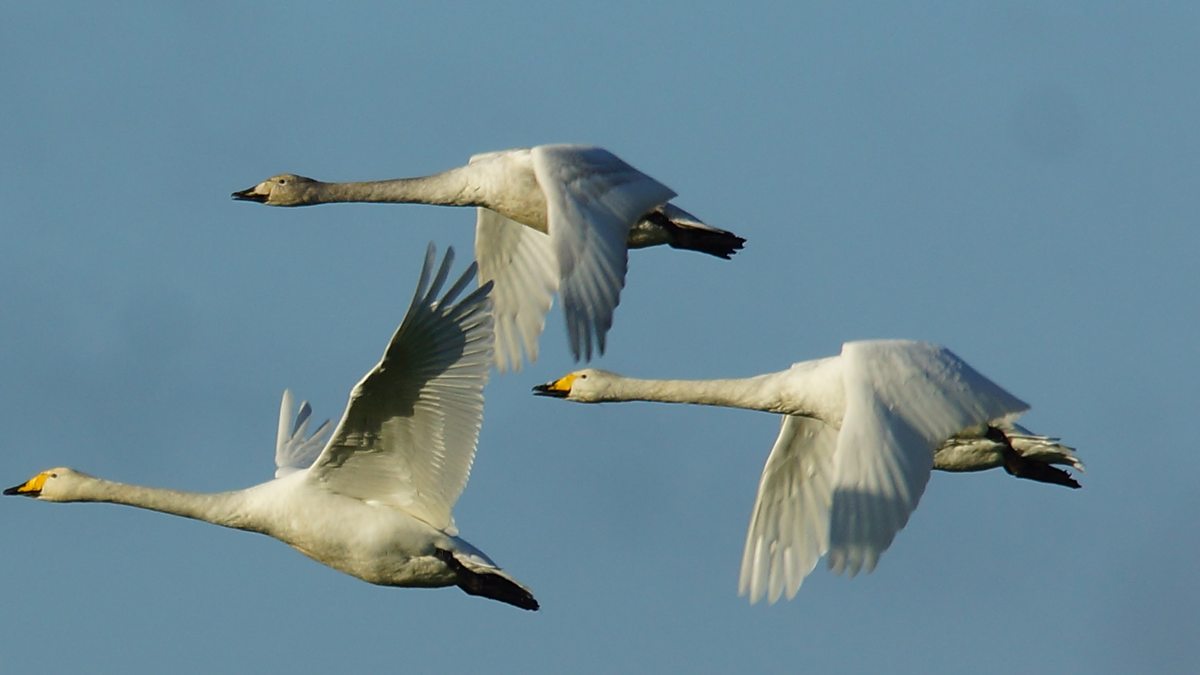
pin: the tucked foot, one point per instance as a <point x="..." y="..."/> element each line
<point x="713" y="242"/>
<point x="488" y="584"/>
<point x="685" y="232"/>
<point x="1023" y="467"/>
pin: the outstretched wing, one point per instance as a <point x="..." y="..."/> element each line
<point x="592" y="199"/>
<point x="789" y="527"/>
<point x="520" y="262"/>
<point x="903" y="400"/>
<point x="408" y="435"/>
<point x="295" y="448"/>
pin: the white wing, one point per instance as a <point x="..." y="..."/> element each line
<point x="521" y="263"/>
<point x="592" y="199"/>
<point x="295" y="448"/>
<point x="789" y="528"/>
<point x="408" y="435"/>
<point x="903" y="399"/>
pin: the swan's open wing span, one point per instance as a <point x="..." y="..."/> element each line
<point x="521" y="263"/>
<point x="789" y="527"/>
<point x="408" y="435"/>
<point x="592" y="199"/>
<point x="903" y="399"/>
<point x="295" y="448"/>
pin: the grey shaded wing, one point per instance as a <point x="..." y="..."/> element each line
<point x="408" y="436"/>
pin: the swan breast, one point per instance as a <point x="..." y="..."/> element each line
<point x="506" y="183"/>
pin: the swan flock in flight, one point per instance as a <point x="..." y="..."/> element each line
<point x="372" y="496"/>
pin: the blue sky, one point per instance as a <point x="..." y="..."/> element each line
<point x="1014" y="180"/>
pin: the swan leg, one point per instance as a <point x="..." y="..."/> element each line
<point x="485" y="584"/>
<point x="656" y="228"/>
<point x="1023" y="467"/>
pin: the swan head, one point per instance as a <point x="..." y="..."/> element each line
<point x="286" y="189"/>
<point x="589" y="385"/>
<point x="52" y="485"/>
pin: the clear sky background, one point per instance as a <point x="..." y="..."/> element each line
<point x="1017" y="181"/>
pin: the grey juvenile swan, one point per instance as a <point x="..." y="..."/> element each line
<point x="375" y="503"/>
<point x="593" y="206"/>
<point x="860" y="433"/>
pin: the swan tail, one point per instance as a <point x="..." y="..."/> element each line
<point x="475" y="578"/>
<point x="681" y="229"/>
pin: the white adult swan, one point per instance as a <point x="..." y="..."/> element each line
<point x="376" y="501"/>
<point x="592" y="205"/>
<point x="860" y="433"/>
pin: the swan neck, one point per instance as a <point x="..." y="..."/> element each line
<point x="228" y="509"/>
<point x="753" y="393"/>
<point x="449" y="188"/>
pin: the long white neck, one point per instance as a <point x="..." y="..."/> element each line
<point x="811" y="389"/>
<point x="732" y="393"/>
<point x="754" y="393"/>
<point x="449" y="188"/>
<point x="229" y="509"/>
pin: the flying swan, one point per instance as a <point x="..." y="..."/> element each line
<point x="593" y="206"/>
<point x="860" y="434"/>
<point x="376" y="501"/>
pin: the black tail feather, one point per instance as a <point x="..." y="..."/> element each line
<point x="492" y="586"/>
